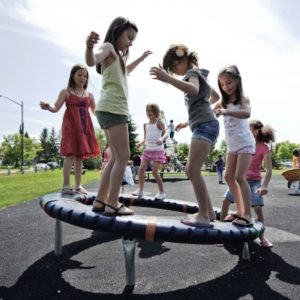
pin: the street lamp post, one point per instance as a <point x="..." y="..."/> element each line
<point x="21" y="129"/>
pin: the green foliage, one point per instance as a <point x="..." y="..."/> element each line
<point x="92" y="163"/>
<point x="132" y="127"/>
<point x="182" y="151"/>
<point x="34" y="185"/>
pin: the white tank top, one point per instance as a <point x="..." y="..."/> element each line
<point x="237" y="131"/>
<point x="152" y="135"/>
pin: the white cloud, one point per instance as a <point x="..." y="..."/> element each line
<point x="248" y="33"/>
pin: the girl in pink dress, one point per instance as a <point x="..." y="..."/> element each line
<point x="78" y="136"/>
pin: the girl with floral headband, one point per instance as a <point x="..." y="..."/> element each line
<point x="198" y="96"/>
<point x="235" y="109"/>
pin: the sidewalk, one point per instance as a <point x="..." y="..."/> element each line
<point x="92" y="264"/>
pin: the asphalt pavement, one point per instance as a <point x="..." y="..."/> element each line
<point x="92" y="263"/>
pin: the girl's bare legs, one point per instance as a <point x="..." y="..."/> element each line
<point x="142" y="170"/>
<point x="68" y="162"/>
<point x="198" y="153"/>
<point x="224" y="210"/>
<point x="237" y="166"/>
<point x="155" y="171"/>
<point x="231" y="165"/>
<point x="260" y="217"/>
<point x="242" y="166"/>
<point x="77" y="171"/>
<point x="118" y="140"/>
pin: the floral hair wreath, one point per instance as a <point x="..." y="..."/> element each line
<point x="179" y="52"/>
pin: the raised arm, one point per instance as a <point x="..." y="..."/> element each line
<point x="130" y="67"/>
<point x="63" y="95"/>
<point x="190" y="87"/>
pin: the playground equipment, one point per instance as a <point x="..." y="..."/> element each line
<point x="76" y="210"/>
<point x="293" y="178"/>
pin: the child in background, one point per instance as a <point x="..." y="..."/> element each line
<point x="112" y="109"/>
<point x="220" y="167"/>
<point x="171" y="128"/>
<point x="263" y="135"/>
<point x="180" y="61"/>
<point x="235" y="108"/>
<point x="78" y="136"/>
<point x="154" y="136"/>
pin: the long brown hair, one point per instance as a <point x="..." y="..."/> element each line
<point x="234" y="73"/>
<point x="71" y="82"/>
<point x="116" y="28"/>
<point x="265" y="134"/>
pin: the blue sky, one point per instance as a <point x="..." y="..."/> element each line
<point x="42" y="40"/>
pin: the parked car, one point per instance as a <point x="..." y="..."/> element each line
<point x="52" y="164"/>
<point x="41" y="166"/>
<point x="286" y="164"/>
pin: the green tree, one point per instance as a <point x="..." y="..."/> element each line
<point x="53" y="146"/>
<point x="182" y="151"/>
<point x="11" y="149"/>
<point x="284" y="150"/>
<point x="132" y="127"/>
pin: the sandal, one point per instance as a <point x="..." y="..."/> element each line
<point x="81" y="190"/>
<point x="240" y="221"/>
<point x="231" y="217"/>
<point x="117" y="211"/>
<point x="67" y="190"/>
<point x="99" y="209"/>
<point x="265" y="243"/>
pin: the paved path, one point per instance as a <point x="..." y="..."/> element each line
<point x="92" y="265"/>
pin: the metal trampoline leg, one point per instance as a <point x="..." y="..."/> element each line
<point x="58" y="238"/>
<point x="246" y="253"/>
<point x="129" y="252"/>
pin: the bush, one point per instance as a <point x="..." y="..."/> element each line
<point x="92" y="163"/>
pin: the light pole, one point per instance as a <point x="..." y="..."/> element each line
<point x="21" y="129"/>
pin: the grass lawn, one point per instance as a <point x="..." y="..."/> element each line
<point x="17" y="188"/>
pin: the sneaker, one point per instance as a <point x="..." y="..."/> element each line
<point x="160" y="196"/>
<point x="138" y="193"/>
<point x="265" y="243"/>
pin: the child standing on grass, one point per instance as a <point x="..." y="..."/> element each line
<point x="263" y="135"/>
<point x="180" y="61"/>
<point x="220" y="164"/>
<point x="112" y="109"/>
<point x="154" y="136"/>
<point x="78" y="136"/>
<point x="235" y="108"/>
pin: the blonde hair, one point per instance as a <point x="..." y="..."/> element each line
<point x="153" y="107"/>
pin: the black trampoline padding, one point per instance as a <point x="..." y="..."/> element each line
<point x="72" y="210"/>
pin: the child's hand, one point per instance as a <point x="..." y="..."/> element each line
<point x="44" y="105"/>
<point x="159" y="73"/>
<point x="146" y="54"/>
<point x="159" y="142"/>
<point x="180" y="126"/>
<point x="262" y="191"/>
<point x="220" y="112"/>
<point x="92" y="39"/>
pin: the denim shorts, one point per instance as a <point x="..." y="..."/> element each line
<point x="207" y="131"/>
<point x="257" y="200"/>
<point x="107" y="119"/>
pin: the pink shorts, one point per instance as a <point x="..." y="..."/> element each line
<point x="156" y="156"/>
<point x="245" y="150"/>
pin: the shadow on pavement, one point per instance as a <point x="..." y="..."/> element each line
<point x="44" y="279"/>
